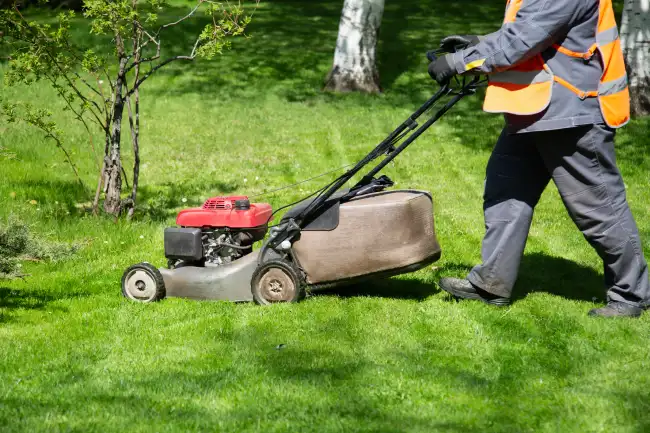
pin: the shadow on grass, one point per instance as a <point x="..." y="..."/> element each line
<point x="12" y="299"/>
<point x="350" y="383"/>
<point x="508" y="373"/>
<point x="394" y="288"/>
<point x="68" y="200"/>
<point x="291" y="50"/>
<point x="540" y="272"/>
<point x="60" y="194"/>
<point x="281" y="411"/>
<point x="292" y="44"/>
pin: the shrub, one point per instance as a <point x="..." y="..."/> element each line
<point x="19" y="243"/>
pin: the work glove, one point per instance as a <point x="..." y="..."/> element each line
<point x="442" y="69"/>
<point x="453" y="43"/>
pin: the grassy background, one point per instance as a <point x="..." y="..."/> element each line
<point x="390" y="356"/>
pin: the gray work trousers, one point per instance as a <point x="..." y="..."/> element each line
<point x="582" y="163"/>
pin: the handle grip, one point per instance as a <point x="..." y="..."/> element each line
<point x="433" y="55"/>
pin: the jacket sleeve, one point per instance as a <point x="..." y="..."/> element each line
<point x="538" y="24"/>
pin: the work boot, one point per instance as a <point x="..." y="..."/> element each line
<point x="617" y="309"/>
<point x="463" y="289"/>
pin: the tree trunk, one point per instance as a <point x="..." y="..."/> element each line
<point x="113" y="169"/>
<point x="355" y="67"/>
<point x="635" y="40"/>
<point x="134" y="124"/>
<point x="136" y="155"/>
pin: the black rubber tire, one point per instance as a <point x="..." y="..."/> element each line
<point x="156" y="277"/>
<point x="286" y="271"/>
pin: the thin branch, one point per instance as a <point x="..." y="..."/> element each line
<point x="49" y="134"/>
<point x="65" y="76"/>
<point x="139" y="61"/>
<point x="155" y="40"/>
<point x="234" y="21"/>
<point x="196" y="45"/>
<point x="126" y="179"/>
<point x="192" y="12"/>
<point x="141" y="47"/>
<point x="99" y="185"/>
<point x="134" y="128"/>
<point x="108" y="78"/>
<point x="72" y="50"/>
<point x="155" y="68"/>
<point x="79" y="94"/>
<point x="101" y="92"/>
<point x="92" y="143"/>
<point x="146" y="33"/>
<point x="78" y="115"/>
<point x="89" y="86"/>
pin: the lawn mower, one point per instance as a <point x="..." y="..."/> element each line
<point x="335" y="236"/>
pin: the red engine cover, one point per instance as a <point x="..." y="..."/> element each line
<point x="221" y="212"/>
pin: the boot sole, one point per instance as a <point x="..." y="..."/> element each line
<point x="498" y="302"/>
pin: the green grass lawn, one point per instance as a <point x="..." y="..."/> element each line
<point x="391" y="356"/>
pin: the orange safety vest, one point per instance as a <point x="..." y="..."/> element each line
<point x="526" y="88"/>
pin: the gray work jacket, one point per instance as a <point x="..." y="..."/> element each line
<point x="540" y="24"/>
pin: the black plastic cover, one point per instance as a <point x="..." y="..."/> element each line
<point x="242" y="204"/>
<point x="183" y="244"/>
<point x="326" y="220"/>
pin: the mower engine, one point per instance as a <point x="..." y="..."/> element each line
<point x="218" y="233"/>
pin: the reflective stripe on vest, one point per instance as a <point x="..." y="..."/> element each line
<point x="512" y="7"/>
<point x="526" y="88"/>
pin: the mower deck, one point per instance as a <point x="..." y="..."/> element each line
<point x="230" y="282"/>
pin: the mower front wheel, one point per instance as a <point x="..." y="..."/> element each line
<point x="275" y="282"/>
<point x="143" y="283"/>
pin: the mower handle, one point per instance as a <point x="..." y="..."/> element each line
<point x="386" y="147"/>
<point x="433" y="55"/>
<point x="409" y="130"/>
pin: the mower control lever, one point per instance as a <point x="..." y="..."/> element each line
<point x="433" y="55"/>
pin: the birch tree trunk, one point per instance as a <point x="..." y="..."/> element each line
<point x="635" y="41"/>
<point x="355" y="67"/>
<point x="113" y="165"/>
<point x="113" y="168"/>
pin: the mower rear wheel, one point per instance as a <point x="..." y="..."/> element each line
<point x="143" y="283"/>
<point x="275" y="282"/>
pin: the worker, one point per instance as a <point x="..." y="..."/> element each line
<point x="556" y="71"/>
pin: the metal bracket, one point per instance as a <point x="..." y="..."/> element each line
<point x="411" y="123"/>
<point x="286" y="231"/>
